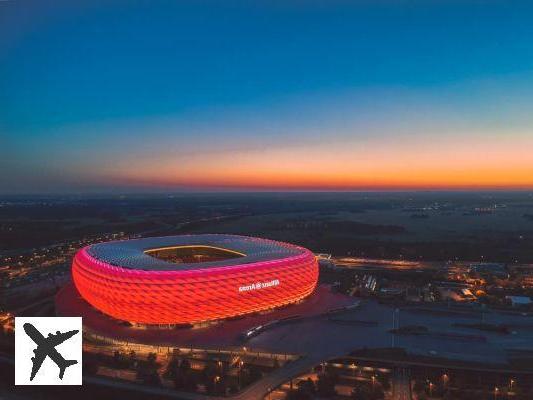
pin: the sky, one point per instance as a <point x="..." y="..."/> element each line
<point x="128" y="96"/>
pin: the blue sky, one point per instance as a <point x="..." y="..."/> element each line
<point x="91" y="89"/>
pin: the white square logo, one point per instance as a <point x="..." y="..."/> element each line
<point x="48" y="351"/>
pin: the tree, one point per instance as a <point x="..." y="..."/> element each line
<point x="422" y="396"/>
<point x="255" y="373"/>
<point x="185" y="365"/>
<point x="298" y="394"/>
<point x="378" y="393"/>
<point x="307" y="386"/>
<point x="152" y="378"/>
<point x="151" y="359"/>
<point x="117" y="358"/>
<point x="132" y="359"/>
<point x="209" y="371"/>
<point x="188" y="376"/>
<point x="362" y="392"/>
<point x="182" y="375"/>
<point x="419" y="386"/>
<point x="250" y="374"/>
<point x="233" y="389"/>
<point x="384" y="381"/>
<point x="216" y="385"/>
<point x="326" y="384"/>
<point x="89" y="367"/>
<point x="148" y="376"/>
<point x="172" y="368"/>
<point x="365" y="391"/>
<point x="147" y="372"/>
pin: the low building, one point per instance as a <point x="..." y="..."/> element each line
<point x="519" y="301"/>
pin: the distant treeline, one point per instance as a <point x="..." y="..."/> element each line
<point x="342" y="226"/>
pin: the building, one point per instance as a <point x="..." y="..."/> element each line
<point x="190" y="279"/>
<point x="489" y="269"/>
<point x="519" y="301"/>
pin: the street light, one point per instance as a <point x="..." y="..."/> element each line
<point x="496" y="391"/>
<point x="511" y="383"/>
<point x="445" y="379"/>
<point x="241" y="363"/>
<point x="431" y="389"/>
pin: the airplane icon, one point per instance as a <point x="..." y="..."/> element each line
<point x="46" y="347"/>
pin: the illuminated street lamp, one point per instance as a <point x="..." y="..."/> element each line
<point x="445" y="379"/>
<point x="431" y="389"/>
<point x="373" y="382"/>
<point x="511" y="383"/>
<point x="496" y="392"/>
<point x="241" y="364"/>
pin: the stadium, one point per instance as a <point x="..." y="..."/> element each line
<point x="191" y="279"/>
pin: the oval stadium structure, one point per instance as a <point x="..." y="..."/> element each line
<point x="189" y="279"/>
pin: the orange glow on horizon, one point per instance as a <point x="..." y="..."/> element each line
<point x="334" y="184"/>
<point x="465" y="164"/>
<point x="305" y="179"/>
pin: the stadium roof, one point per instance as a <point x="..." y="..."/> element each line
<point x="132" y="254"/>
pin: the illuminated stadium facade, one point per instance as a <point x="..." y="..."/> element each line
<point x="190" y="279"/>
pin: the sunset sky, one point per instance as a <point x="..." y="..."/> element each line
<point x="265" y="95"/>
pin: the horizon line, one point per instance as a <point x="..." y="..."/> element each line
<point x="269" y="191"/>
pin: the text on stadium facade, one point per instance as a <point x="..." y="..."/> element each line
<point x="259" y="285"/>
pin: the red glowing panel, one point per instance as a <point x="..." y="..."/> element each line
<point x="193" y="295"/>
